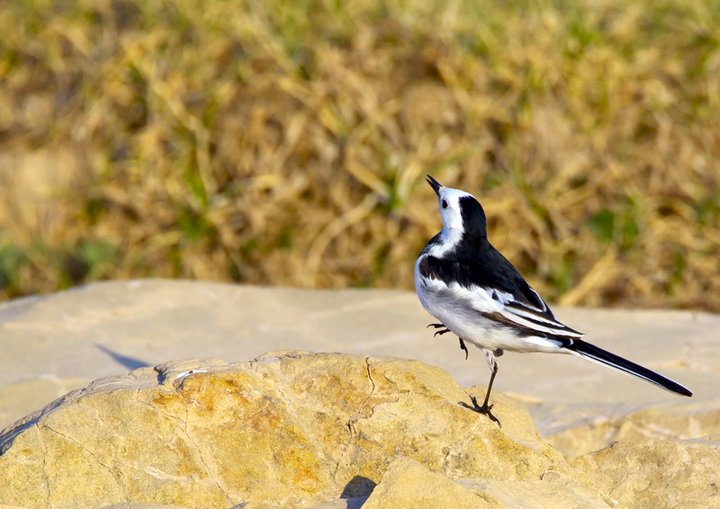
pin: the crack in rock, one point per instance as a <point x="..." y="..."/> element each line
<point x="87" y="449"/>
<point x="354" y="418"/>
<point x="44" y="463"/>
<point x="182" y="427"/>
<point x="202" y="458"/>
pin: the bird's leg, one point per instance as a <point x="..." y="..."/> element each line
<point x="436" y="325"/>
<point x="485" y="408"/>
<point x="463" y="347"/>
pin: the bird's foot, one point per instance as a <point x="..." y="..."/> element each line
<point x="463" y="347"/>
<point x="483" y="409"/>
<point x="444" y="330"/>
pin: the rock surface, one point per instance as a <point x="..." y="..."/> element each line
<point x="55" y="343"/>
<point x="407" y="484"/>
<point x="685" y="420"/>
<point x="658" y="473"/>
<point x="297" y="429"/>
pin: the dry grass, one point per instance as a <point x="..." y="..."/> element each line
<point x="285" y="142"/>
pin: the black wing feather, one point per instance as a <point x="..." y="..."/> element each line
<point x="496" y="273"/>
<point x="469" y="274"/>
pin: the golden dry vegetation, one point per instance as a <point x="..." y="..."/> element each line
<point x="286" y="143"/>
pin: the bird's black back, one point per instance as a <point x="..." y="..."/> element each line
<point x="480" y="264"/>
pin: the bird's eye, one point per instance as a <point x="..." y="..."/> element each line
<point x="444" y="204"/>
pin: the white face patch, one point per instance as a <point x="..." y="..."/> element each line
<point x="449" y="200"/>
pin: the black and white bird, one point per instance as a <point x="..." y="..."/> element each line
<point x="476" y="293"/>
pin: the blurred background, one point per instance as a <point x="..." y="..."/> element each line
<point x="286" y="142"/>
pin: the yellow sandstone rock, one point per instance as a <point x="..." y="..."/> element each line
<point x="305" y="430"/>
<point x="408" y="485"/>
<point x="684" y="420"/>
<point x="658" y="473"/>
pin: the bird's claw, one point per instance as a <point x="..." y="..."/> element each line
<point x="463" y="347"/>
<point x="444" y="330"/>
<point x="483" y="409"/>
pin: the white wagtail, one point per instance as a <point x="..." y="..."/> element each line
<point x="476" y="293"/>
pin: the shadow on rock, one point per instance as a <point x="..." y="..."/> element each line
<point x="124" y="360"/>
<point x="357" y="491"/>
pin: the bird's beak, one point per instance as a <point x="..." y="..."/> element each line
<point x="434" y="184"/>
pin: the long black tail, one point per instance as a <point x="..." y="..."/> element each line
<point x="595" y="354"/>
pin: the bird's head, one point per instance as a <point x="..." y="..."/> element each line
<point x="460" y="211"/>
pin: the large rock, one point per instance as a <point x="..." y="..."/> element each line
<point x="658" y="473"/>
<point x="684" y="420"/>
<point x="60" y="342"/>
<point x="293" y="429"/>
<point x="302" y="430"/>
<point x="406" y="484"/>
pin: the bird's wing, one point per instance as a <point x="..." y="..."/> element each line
<point x="500" y="294"/>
